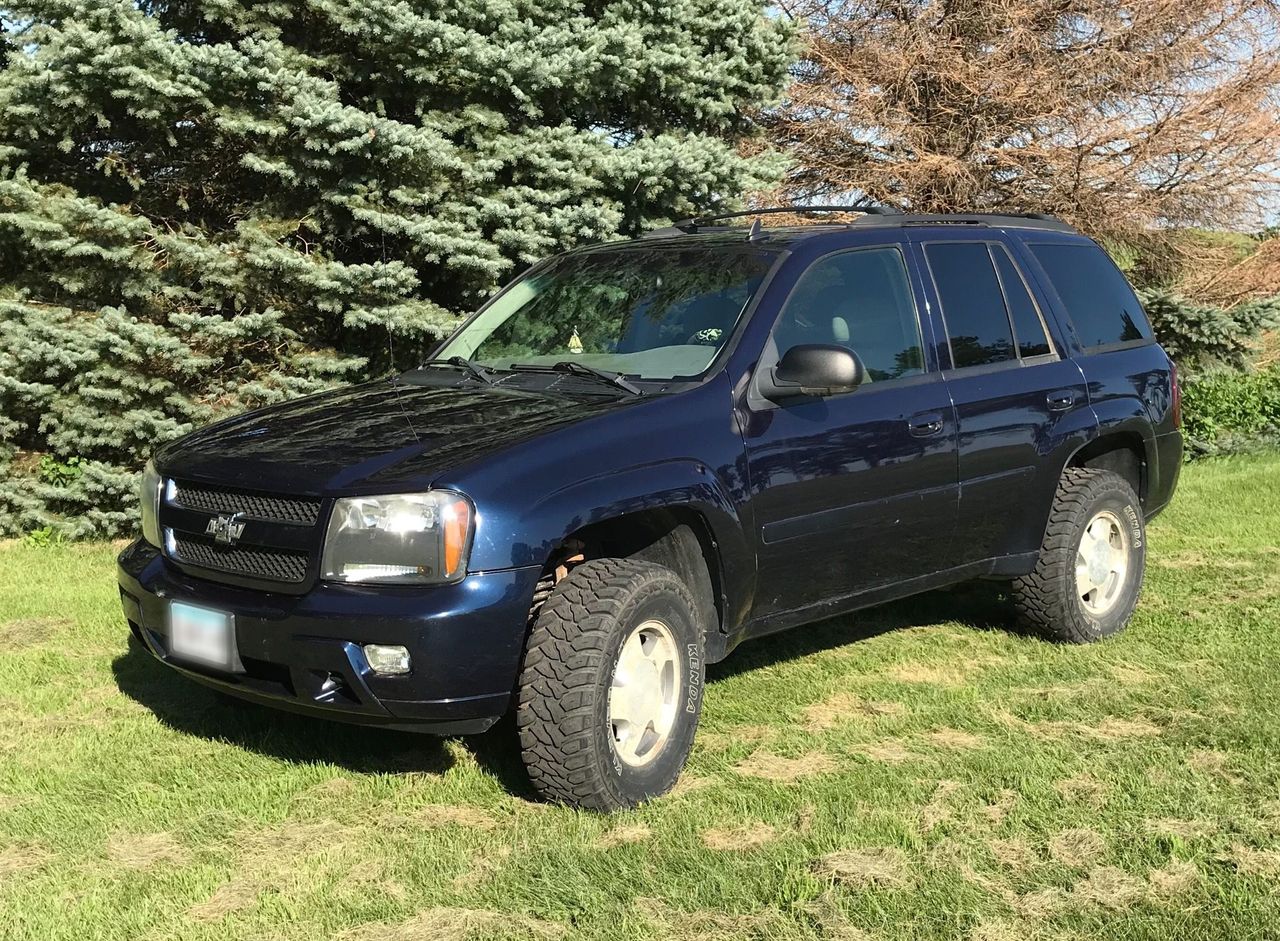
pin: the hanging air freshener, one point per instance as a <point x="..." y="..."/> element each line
<point x="575" y="342"/>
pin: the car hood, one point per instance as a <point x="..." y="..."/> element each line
<point x="387" y="434"/>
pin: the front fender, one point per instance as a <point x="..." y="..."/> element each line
<point x="532" y="533"/>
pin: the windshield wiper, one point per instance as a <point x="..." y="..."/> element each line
<point x="461" y="362"/>
<point x="572" y="368"/>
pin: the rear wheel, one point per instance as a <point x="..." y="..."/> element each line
<point x="1087" y="580"/>
<point x="611" y="687"/>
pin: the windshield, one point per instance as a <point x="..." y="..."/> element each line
<point x="649" y="313"/>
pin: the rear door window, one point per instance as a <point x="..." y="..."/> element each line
<point x="1102" y="306"/>
<point x="972" y="303"/>
<point x="1028" y="327"/>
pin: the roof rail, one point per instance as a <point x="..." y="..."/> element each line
<point x="1030" y="220"/>
<point x="874" y="215"/>
<point x="694" y="223"/>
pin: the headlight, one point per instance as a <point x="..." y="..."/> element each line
<point x="400" y="539"/>
<point x="149" y="502"/>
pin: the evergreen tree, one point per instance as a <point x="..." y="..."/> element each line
<point x="209" y="205"/>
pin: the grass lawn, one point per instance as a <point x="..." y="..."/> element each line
<point x="914" y="771"/>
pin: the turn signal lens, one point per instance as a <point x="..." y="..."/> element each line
<point x="149" y="503"/>
<point x="457" y="529"/>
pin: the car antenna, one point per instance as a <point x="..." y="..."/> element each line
<point x="391" y="353"/>
<point x="757" y="231"/>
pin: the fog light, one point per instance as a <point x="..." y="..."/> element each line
<point x="387" y="658"/>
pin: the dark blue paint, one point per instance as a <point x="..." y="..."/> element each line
<point x="814" y="507"/>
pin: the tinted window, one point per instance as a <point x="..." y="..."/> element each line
<point x="1027" y="325"/>
<point x="972" y="303"/>
<point x="1099" y="300"/>
<point x="860" y="300"/>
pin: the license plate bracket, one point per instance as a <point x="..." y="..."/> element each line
<point x="205" y="636"/>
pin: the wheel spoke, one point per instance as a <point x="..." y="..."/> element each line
<point x="1096" y="536"/>
<point x="1084" y="581"/>
<point x="624" y="705"/>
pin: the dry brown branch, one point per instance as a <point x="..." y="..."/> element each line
<point x="1115" y="115"/>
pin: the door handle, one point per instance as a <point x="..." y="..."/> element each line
<point x="926" y="424"/>
<point x="1061" y="400"/>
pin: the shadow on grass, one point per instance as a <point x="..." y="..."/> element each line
<point x="192" y="709"/>
<point x="188" y="707"/>
<point x="979" y="605"/>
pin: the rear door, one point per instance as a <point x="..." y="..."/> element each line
<point x="853" y="491"/>
<point x="1007" y="379"/>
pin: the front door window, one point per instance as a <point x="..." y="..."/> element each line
<point x="860" y="300"/>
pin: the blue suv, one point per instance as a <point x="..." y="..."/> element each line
<point x="640" y="454"/>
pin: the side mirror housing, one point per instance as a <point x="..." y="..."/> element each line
<point x="813" y="370"/>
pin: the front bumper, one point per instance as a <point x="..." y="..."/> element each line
<point x="302" y="652"/>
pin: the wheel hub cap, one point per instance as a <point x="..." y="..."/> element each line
<point x="1102" y="562"/>
<point x="642" y="699"/>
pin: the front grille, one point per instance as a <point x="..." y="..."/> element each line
<point x="269" y="564"/>
<point x="299" y="512"/>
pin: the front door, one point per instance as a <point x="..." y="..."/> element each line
<point x="855" y="491"/>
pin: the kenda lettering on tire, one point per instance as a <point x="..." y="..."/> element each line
<point x="1135" y="524"/>
<point x="695" y="679"/>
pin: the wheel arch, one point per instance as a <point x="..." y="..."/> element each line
<point x="677" y="513"/>
<point x="1124" y="443"/>
<point x="1121" y="452"/>
<point x="1115" y="435"/>
<point x="678" y="537"/>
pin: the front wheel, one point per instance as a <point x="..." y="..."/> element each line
<point x="1087" y="580"/>
<point x="611" y="687"/>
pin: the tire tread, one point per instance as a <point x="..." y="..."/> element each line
<point x="561" y="668"/>
<point x="1043" y="599"/>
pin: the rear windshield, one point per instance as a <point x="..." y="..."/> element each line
<point x="1102" y="306"/>
<point x="657" y="312"/>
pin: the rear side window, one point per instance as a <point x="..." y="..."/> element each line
<point x="972" y="303"/>
<point x="1098" y="299"/>
<point x="1027" y="325"/>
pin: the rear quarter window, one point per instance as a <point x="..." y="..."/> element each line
<point x="1098" y="299"/>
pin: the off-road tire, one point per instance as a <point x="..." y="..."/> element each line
<point x="1046" y="601"/>
<point x="562" y="715"/>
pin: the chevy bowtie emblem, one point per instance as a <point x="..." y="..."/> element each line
<point x="225" y="530"/>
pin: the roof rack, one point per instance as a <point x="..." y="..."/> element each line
<point x="691" y="225"/>
<point x="872" y="215"/>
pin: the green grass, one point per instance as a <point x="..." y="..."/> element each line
<point x="949" y="780"/>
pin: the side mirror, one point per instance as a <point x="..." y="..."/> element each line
<point x="813" y="369"/>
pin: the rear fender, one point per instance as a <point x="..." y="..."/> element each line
<point x="1071" y="432"/>
<point x="1118" y="416"/>
<point x="1127" y="417"/>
